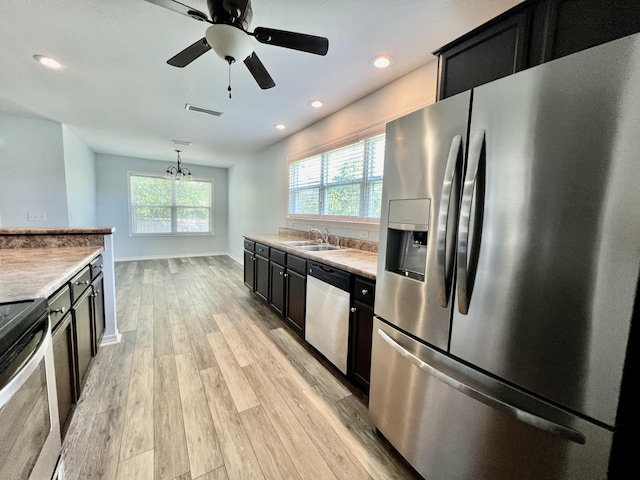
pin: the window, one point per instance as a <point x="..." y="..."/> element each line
<point x="345" y="183"/>
<point x="161" y="206"/>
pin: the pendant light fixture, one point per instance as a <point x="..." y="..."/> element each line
<point x="179" y="173"/>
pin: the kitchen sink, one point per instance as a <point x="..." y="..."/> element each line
<point x="317" y="247"/>
<point x="297" y="243"/>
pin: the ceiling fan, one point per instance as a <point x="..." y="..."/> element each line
<point x="230" y="38"/>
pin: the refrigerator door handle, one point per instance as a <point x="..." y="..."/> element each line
<point x="522" y="415"/>
<point x="445" y="238"/>
<point x="470" y="223"/>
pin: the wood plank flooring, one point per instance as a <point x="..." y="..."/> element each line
<point x="209" y="384"/>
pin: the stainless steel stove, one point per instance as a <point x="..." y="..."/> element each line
<point x="29" y="423"/>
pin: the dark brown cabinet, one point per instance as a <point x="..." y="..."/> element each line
<point x="360" y="335"/>
<point x="63" y="338"/>
<point x="296" y="292"/>
<point x="277" y="294"/>
<point x="296" y="300"/>
<point x="531" y="33"/>
<point x="78" y="323"/>
<point x="98" y="321"/>
<point x="261" y="266"/>
<point x="82" y="320"/>
<point x="249" y="264"/>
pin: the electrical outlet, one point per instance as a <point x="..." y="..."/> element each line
<point x="36" y="216"/>
<point x="289" y="224"/>
<point x="364" y="234"/>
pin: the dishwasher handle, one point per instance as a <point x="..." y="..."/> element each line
<point x="332" y="276"/>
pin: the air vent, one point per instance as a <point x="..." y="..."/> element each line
<point x="188" y="106"/>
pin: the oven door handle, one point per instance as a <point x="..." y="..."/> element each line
<point x="8" y="390"/>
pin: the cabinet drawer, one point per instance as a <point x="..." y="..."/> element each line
<point x="59" y="305"/>
<point x="96" y="266"/>
<point x="278" y="257"/>
<point x="80" y="283"/>
<point x="262" y="250"/>
<point x="364" y="290"/>
<point x="249" y="245"/>
<point x="297" y="264"/>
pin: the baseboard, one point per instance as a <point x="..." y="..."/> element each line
<point x="233" y="257"/>
<point x="111" y="339"/>
<point x="164" y="257"/>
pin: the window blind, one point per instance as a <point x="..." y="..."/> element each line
<point x="345" y="182"/>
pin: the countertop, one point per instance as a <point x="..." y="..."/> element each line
<point x="27" y="273"/>
<point x="350" y="259"/>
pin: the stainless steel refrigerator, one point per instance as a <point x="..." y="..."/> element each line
<point x="508" y="269"/>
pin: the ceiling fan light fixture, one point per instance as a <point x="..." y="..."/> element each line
<point x="381" y="61"/>
<point x="229" y="41"/>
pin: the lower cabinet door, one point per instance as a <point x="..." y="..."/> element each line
<point x="296" y="300"/>
<point x="84" y="339"/>
<point x="262" y="277"/>
<point x="361" y="338"/>
<point x="97" y="310"/>
<point x="277" y="292"/>
<point x="249" y="269"/>
<point x="64" y="363"/>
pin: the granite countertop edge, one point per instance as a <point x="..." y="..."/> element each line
<point x="27" y="273"/>
<point x="351" y="260"/>
<point x="57" y="230"/>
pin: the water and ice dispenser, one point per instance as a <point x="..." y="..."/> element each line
<point x="407" y="233"/>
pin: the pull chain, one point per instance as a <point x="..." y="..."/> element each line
<point x="230" y="60"/>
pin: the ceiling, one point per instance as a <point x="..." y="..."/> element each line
<point x="120" y="97"/>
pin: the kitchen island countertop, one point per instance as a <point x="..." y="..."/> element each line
<point x="27" y="273"/>
<point x="350" y="259"/>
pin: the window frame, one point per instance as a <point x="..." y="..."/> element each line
<point x="365" y="181"/>
<point x="173" y="207"/>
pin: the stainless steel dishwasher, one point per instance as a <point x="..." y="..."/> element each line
<point x="327" y="317"/>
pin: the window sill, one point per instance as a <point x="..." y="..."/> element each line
<point x="169" y="235"/>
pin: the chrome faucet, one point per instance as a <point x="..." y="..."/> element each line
<point x="322" y="236"/>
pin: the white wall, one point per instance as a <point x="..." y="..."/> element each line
<point x="33" y="172"/>
<point x="80" y="173"/>
<point x="258" y="188"/>
<point x="112" y="191"/>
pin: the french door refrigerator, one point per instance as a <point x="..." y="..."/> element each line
<point x="508" y="269"/>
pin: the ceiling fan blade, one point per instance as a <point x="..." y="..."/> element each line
<point x="258" y="71"/>
<point x="189" y="54"/>
<point x="293" y="40"/>
<point x="181" y="8"/>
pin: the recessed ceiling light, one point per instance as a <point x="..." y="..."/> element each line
<point x="48" y="62"/>
<point x="381" y="61"/>
<point x="316" y="103"/>
<point x="280" y="126"/>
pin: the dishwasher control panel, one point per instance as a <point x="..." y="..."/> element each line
<point x="332" y="276"/>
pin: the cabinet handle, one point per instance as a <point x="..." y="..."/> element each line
<point x="365" y="291"/>
<point x="281" y="273"/>
<point x="254" y="259"/>
<point x="59" y="310"/>
<point x="86" y="282"/>
<point x="354" y="309"/>
<point x="286" y="275"/>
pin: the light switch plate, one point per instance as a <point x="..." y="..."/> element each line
<point x="364" y="234"/>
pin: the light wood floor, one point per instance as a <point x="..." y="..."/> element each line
<point x="209" y="384"/>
